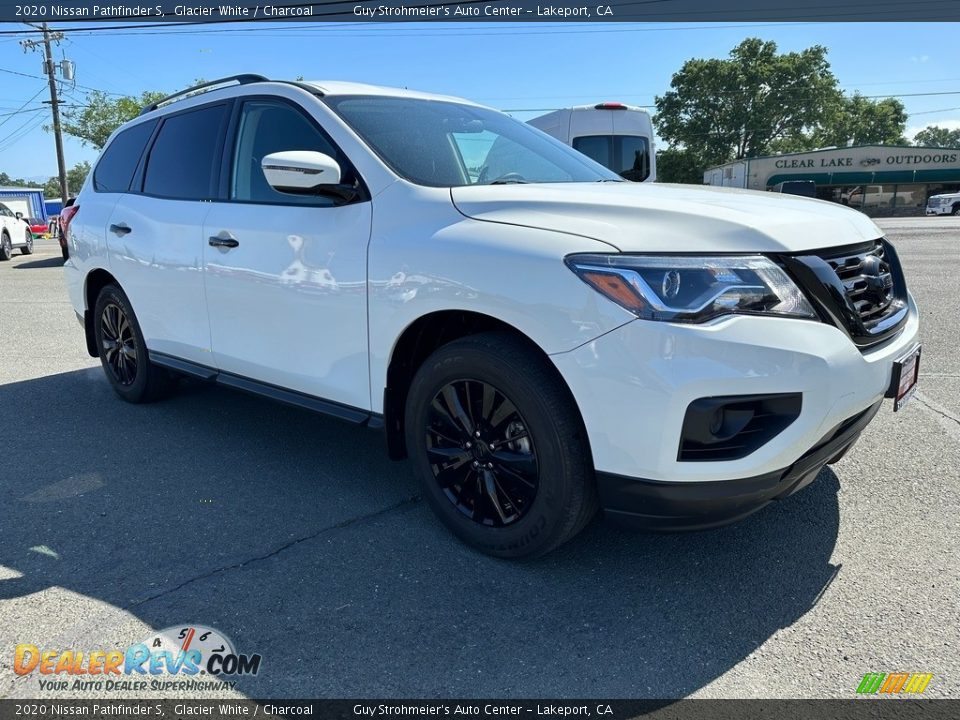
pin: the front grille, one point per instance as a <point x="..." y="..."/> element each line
<point x="868" y="282"/>
<point x="858" y="288"/>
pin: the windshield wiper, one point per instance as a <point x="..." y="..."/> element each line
<point x="508" y="182"/>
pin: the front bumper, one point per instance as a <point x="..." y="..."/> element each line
<point x="702" y="505"/>
<point x="634" y="384"/>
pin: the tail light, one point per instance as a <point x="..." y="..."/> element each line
<point x="610" y="106"/>
<point x="66" y="215"/>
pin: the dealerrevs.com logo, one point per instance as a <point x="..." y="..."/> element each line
<point x="177" y="658"/>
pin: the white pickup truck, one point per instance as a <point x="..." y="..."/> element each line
<point x="946" y="204"/>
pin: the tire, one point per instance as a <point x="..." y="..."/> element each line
<point x="28" y="248"/>
<point x="130" y="372"/>
<point x="956" y="210"/>
<point x="542" y="478"/>
<point x="6" y="247"/>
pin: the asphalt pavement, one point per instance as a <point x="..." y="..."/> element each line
<point x="294" y="535"/>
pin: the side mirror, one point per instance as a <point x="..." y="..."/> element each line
<point x="19" y="215"/>
<point x="300" y="172"/>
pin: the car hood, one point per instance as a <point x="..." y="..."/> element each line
<point x="635" y="217"/>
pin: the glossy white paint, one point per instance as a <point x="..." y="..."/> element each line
<point x="288" y="305"/>
<point x="633" y="386"/>
<point x="315" y="298"/>
<point x="299" y="169"/>
<point x="656" y="217"/>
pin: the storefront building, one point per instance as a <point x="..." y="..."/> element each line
<point x="876" y="179"/>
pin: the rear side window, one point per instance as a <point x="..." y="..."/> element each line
<point x="627" y="155"/>
<point x="181" y="163"/>
<point x="119" y="161"/>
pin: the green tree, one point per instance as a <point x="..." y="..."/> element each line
<point x="75" y="177"/>
<point x="935" y="136"/>
<point x="7" y="181"/>
<point x="725" y="109"/>
<point x="103" y="114"/>
<point x="858" y="120"/>
<point x="678" y="165"/>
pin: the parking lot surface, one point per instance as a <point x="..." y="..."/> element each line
<point x="294" y="535"/>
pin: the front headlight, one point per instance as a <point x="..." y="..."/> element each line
<point x="689" y="289"/>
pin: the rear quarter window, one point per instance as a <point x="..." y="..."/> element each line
<point x="115" y="169"/>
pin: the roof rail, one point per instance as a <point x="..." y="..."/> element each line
<point x="242" y="79"/>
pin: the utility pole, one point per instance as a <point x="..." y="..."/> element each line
<point x="50" y="69"/>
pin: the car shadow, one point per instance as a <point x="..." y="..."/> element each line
<point x="295" y="536"/>
<point x="45" y="263"/>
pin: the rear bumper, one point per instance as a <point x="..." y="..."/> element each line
<point x="668" y="506"/>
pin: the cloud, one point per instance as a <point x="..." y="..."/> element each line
<point x="919" y="58"/>
<point x="949" y="124"/>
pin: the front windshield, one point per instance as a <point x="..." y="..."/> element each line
<point x="446" y="144"/>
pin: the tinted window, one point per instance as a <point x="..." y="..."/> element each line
<point x="446" y="144"/>
<point x="181" y="163"/>
<point x="595" y="147"/>
<point x="119" y="161"/>
<point x="268" y="127"/>
<point x="4" y="210"/>
<point x="627" y="155"/>
<point x="633" y="156"/>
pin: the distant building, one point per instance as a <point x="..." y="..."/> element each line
<point x="27" y="201"/>
<point x="877" y="179"/>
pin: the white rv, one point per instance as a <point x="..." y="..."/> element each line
<point x="617" y="136"/>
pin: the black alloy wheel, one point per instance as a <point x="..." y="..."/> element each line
<point x="119" y="344"/>
<point x="481" y="453"/>
<point x="499" y="446"/>
<point x="6" y="247"/>
<point x="123" y="352"/>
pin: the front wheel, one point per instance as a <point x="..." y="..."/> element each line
<point x="499" y="446"/>
<point x="956" y="210"/>
<point x="28" y="248"/>
<point x="6" y="247"/>
<point x="123" y="353"/>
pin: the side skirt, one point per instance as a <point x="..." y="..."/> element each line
<point x="255" y="387"/>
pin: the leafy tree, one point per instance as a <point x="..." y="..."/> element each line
<point x="935" y="136"/>
<point x="75" y="177"/>
<point x="103" y="114"/>
<point x="862" y="121"/>
<point x="7" y="181"/>
<point x="721" y="110"/>
<point x="678" y="165"/>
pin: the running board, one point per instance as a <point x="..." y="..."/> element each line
<point x="255" y="387"/>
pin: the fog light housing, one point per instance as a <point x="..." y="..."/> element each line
<point x="733" y="426"/>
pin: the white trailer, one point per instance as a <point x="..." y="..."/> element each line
<point x="617" y="136"/>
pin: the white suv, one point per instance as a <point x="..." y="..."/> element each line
<point x="14" y="233"/>
<point x="540" y="337"/>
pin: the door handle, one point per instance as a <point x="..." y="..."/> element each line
<point x="223" y="240"/>
<point x="121" y="229"/>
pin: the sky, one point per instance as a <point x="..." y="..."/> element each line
<point x="526" y="68"/>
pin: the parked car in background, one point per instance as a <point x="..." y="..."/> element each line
<point x="803" y="188"/>
<point x="39" y="228"/>
<point x="945" y="204"/>
<point x="14" y="233"/>
<point x="63" y="221"/>
<point x="618" y="136"/>
<point x="540" y="337"/>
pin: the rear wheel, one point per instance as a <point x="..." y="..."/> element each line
<point x="956" y="210"/>
<point x="6" y="247"/>
<point x="28" y="248"/>
<point x="499" y="445"/>
<point x="123" y="352"/>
